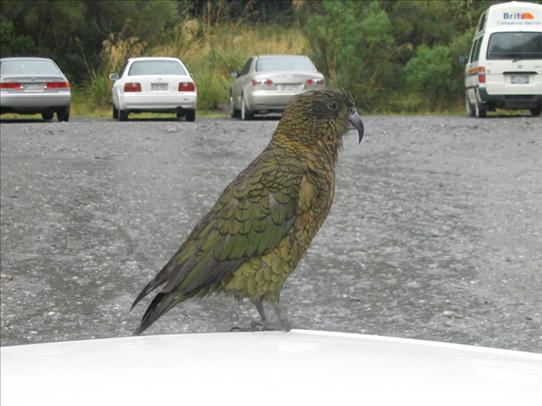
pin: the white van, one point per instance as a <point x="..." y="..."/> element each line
<point x="504" y="68"/>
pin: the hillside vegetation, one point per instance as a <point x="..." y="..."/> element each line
<point x="394" y="56"/>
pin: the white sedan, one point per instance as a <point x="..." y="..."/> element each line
<point x="154" y="84"/>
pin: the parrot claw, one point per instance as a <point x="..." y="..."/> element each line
<point x="281" y="325"/>
<point x="255" y="326"/>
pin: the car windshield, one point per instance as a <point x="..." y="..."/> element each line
<point x="284" y="63"/>
<point x="156" y="68"/>
<point x="28" y="67"/>
<point x="515" y="45"/>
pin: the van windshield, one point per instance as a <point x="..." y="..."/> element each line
<point x="515" y="45"/>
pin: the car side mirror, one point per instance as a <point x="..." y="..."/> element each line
<point x="462" y="60"/>
<point x="234" y="75"/>
<point x="114" y="76"/>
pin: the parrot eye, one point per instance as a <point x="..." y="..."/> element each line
<point x="352" y="110"/>
<point x="332" y="106"/>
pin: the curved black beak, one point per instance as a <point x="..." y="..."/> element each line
<point x="355" y="119"/>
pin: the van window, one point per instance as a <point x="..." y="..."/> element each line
<point x="471" y="56"/>
<point x="482" y="22"/>
<point x="475" y="54"/>
<point x="515" y="45"/>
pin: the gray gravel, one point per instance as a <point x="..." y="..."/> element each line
<point x="435" y="232"/>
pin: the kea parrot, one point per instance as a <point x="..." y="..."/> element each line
<point x="263" y="222"/>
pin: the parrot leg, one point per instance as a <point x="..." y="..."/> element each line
<point x="254" y="325"/>
<point x="265" y="324"/>
<point x="281" y="317"/>
<point x="259" y="306"/>
<point x="259" y="326"/>
<point x="281" y="322"/>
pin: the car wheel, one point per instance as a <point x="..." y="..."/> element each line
<point x="115" y="113"/>
<point x="246" y="114"/>
<point x="48" y="115"/>
<point x="468" y="106"/>
<point x="123" y="115"/>
<point x="536" y="111"/>
<point x="234" y="113"/>
<point x="191" y="115"/>
<point x="480" y="111"/>
<point x="63" y="114"/>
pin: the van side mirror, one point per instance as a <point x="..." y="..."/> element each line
<point x="462" y="60"/>
<point x="234" y="75"/>
<point x="114" y="76"/>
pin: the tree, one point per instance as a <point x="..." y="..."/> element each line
<point x="357" y="52"/>
<point x="13" y="44"/>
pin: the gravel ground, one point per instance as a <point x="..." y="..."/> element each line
<point x="435" y="232"/>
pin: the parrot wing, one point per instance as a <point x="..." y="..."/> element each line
<point x="249" y="219"/>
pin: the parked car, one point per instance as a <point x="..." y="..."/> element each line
<point x="504" y="67"/>
<point x="154" y="84"/>
<point x="266" y="83"/>
<point x="34" y="85"/>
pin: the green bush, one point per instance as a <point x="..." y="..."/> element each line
<point x="430" y="73"/>
<point x="98" y="90"/>
<point x="435" y="73"/>
<point x="357" y="53"/>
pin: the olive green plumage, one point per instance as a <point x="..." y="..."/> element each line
<point x="264" y="221"/>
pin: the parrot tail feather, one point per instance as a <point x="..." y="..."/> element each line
<point x="161" y="303"/>
<point x="153" y="284"/>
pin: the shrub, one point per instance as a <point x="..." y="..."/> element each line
<point x="357" y="53"/>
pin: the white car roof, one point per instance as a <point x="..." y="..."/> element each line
<point x="267" y="368"/>
<point x="154" y="58"/>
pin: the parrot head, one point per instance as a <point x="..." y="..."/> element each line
<point x="320" y="115"/>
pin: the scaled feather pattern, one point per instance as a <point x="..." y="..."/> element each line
<point x="264" y="221"/>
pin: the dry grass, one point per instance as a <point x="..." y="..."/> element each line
<point x="210" y="53"/>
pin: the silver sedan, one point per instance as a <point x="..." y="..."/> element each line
<point x="34" y="85"/>
<point x="266" y="84"/>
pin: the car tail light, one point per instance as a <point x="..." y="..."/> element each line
<point x="57" y="85"/>
<point x="132" y="87"/>
<point x="11" y="85"/>
<point x="481" y="74"/>
<point x="267" y="83"/>
<point x="314" y="83"/>
<point x="187" y="87"/>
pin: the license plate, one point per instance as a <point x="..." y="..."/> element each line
<point x="158" y="86"/>
<point x="288" y="87"/>
<point x="519" y="79"/>
<point x="33" y="86"/>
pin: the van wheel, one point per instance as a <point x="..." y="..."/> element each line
<point x="480" y="111"/>
<point x="536" y="111"/>
<point x="468" y="106"/>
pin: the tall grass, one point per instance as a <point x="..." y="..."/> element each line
<point x="210" y="53"/>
